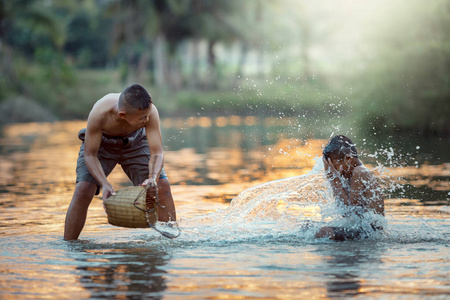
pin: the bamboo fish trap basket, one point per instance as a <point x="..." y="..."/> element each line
<point x="133" y="207"/>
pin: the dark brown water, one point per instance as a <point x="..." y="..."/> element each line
<point x="258" y="247"/>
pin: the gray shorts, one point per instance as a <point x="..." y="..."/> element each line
<point x="346" y="234"/>
<point x="130" y="151"/>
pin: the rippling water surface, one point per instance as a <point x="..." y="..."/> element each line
<point x="260" y="245"/>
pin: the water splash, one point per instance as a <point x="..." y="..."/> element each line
<point x="293" y="209"/>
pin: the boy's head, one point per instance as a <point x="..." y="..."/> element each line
<point x="340" y="147"/>
<point x="134" y="105"/>
<point x="135" y="97"/>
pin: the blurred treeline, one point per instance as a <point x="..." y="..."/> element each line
<point x="383" y="63"/>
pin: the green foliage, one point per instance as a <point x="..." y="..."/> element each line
<point x="87" y="39"/>
<point x="406" y="84"/>
<point x="263" y="98"/>
<point x="64" y="55"/>
<point x="30" y="38"/>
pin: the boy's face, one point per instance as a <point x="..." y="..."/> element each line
<point x="137" y="117"/>
<point x="341" y="164"/>
<point x="338" y="165"/>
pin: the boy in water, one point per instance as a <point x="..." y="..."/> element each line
<point x="121" y="128"/>
<point x="353" y="185"/>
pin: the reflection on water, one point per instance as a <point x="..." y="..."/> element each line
<point x="347" y="265"/>
<point x="259" y="246"/>
<point x="122" y="271"/>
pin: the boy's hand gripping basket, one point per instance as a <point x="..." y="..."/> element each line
<point x="137" y="207"/>
<point x="133" y="207"/>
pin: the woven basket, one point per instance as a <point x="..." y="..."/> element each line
<point x="132" y="207"/>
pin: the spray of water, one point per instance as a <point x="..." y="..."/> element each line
<point x="290" y="208"/>
<point x="294" y="209"/>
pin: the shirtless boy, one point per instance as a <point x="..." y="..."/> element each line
<point x="353" y="185"/>
<point x="121" y="129"/>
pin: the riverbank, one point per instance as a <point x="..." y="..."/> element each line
<point x="281" y="97"/>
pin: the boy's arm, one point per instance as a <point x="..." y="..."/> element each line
<point x="334" y="178"/>
<point x="359" y="186"/>
<point x="156" y="161"/>
<point x="92" y="142"/>
<point x="365" y="190"/>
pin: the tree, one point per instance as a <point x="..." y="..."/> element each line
<point x="25" y="25"/>
<point x="408" y="74"/>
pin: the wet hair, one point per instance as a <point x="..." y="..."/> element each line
<point x="338" y="147"/>
<point x="135" y="96"/>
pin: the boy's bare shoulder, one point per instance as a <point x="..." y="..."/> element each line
<point x="106" y="101"/>
<point x="102" y="109"/>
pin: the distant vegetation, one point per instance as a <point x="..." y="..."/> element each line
<point x="384" y="63"/>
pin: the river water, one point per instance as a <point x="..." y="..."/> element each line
<point x="257" y="245"/>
